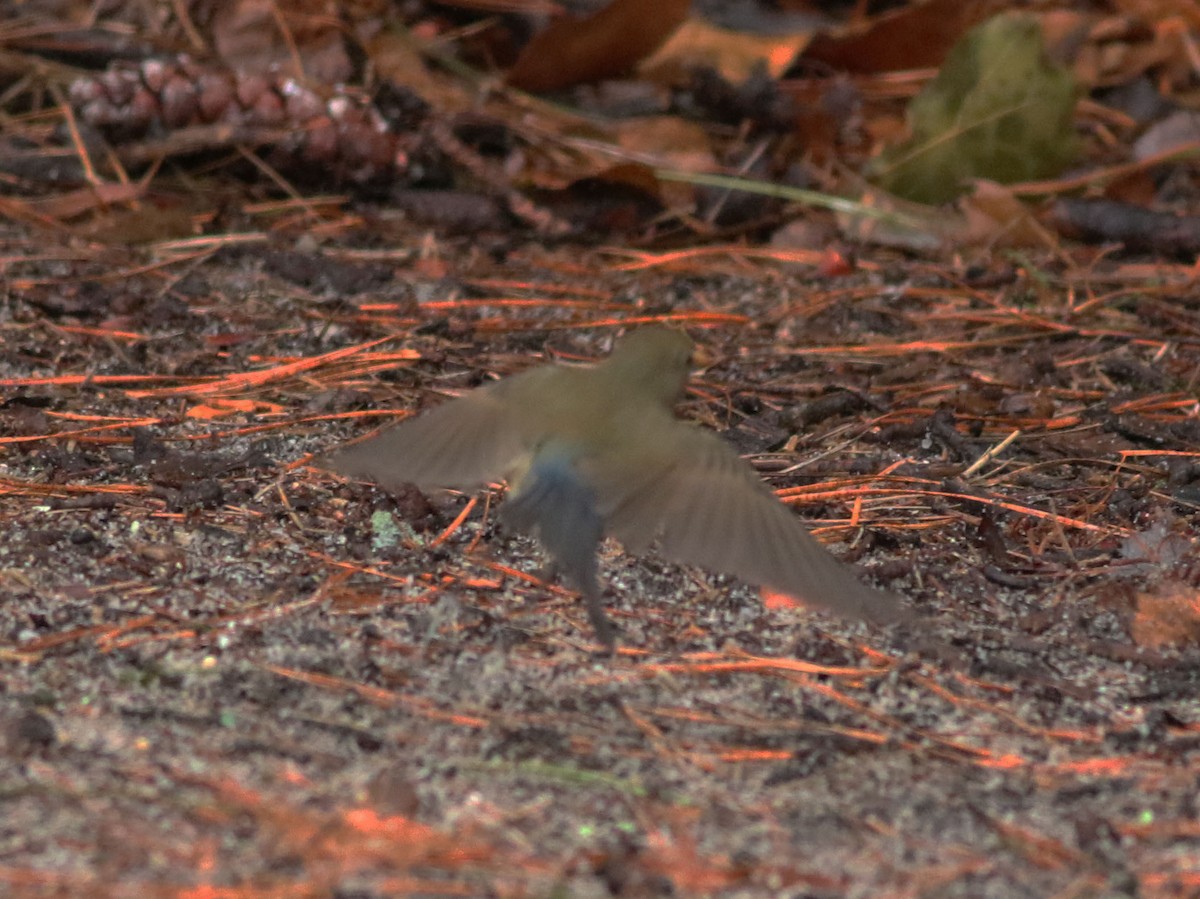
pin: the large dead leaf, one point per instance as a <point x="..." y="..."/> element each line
<point x="916" y="36"/>
<point x="606" y="44"/>
<point x="998" y="109"/>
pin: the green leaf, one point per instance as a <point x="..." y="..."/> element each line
<point x="998" y="109"/>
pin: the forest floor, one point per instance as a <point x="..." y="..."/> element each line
<point x="229" y="672"/>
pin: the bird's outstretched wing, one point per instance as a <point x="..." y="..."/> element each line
<point x="708" y="507"/>
<point x="462" y="444"/>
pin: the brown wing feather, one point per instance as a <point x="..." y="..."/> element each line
<point x="709" y="508"/>
<point x="462" y="444"/>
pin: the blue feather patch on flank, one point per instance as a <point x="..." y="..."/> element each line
<point x="553" y="500"/>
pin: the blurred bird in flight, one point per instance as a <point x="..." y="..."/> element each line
<point x="594" y="452"/>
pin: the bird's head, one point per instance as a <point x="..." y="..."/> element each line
<point x="652" y="362"/>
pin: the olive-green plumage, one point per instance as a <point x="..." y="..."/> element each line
<point x="597" y="451"/>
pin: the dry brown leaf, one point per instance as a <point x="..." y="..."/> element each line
<point x="606" y="44"/>
<point x="735" y="55"/>
<point x="917" y="36"/>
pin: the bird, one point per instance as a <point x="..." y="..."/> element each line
<point x="590" y="452"/>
